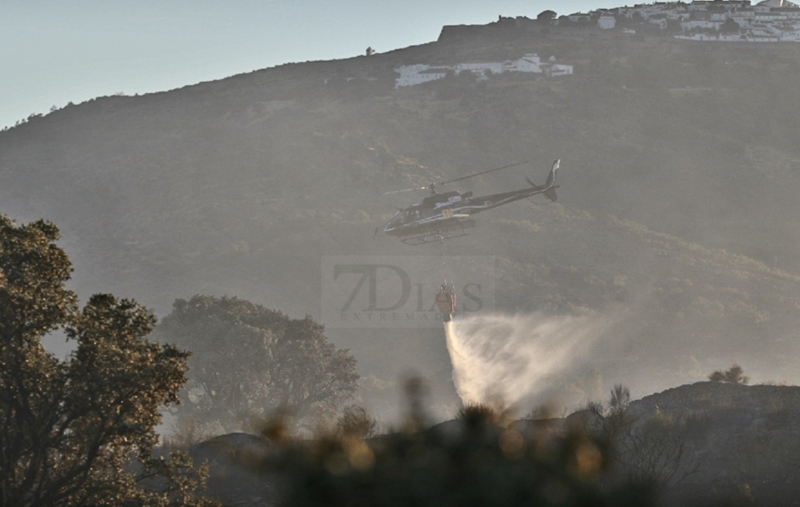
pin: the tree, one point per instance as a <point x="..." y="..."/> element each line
<point x="734" y="375"/>
<point x="620" y="399"/>
<point x="649" y="450"/>
<point x="730" y="27"/>
<point x="356" y="422"/>
<point x="248" y="360"/>
<point x="369" y="51"/>
<point x="614" y="421"/>
<point x="79" y="431"/>
<point x="547" y="15"/>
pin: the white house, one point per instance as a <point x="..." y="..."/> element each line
<point x="411" y="75"/>
<point x="700" y="25"/>
<point x="607" y="22"/>
<point x="479" y="68"/>
<point x="660" y="20"/>
<point x="579" y="17"/>
<point x="744" y="17"/>
<point x="731" y="37"/>
<point x="528" y="63"/>
<point x="559" y="69"/>
<point x="699" y="5"/>
<point x="698" y="37"/>
<point x="790" y="36"/>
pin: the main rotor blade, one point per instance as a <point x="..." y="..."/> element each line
<point x="434" y="184"/>
<point x="482" y="172"/>
<point x="405" y="190"/>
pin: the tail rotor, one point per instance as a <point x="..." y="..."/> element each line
<point x="549" y="187"/>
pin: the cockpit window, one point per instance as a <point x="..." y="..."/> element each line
<point x="396" y="220"/>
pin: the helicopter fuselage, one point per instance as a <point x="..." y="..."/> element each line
<point x="442" y="213"/>
<point x="448" y="210"/>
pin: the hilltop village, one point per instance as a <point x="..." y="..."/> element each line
<point x="703" y="20"/>
<point x="700" y="20"/>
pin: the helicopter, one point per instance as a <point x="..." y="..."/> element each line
<point x="447" y="215"/>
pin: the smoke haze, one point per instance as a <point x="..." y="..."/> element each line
<point x="677" y="201"/>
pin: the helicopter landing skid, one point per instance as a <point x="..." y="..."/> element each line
<point x="440" y="235"/>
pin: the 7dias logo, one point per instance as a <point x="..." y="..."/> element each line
<point x="400" y="291"/>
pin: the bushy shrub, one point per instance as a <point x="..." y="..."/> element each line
<point x="734" y="375"/>
<point x="356" y="422"/>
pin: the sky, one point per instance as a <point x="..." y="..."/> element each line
<point x="53" y="52"/>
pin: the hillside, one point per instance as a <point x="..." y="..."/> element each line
<point x="741" y="443"/>
<point x="676" y="210"/>
<point x="711" y="443"/>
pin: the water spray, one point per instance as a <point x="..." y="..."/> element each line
<point x="511" y="360"/>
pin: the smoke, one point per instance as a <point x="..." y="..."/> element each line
<point x="507" y="361"/>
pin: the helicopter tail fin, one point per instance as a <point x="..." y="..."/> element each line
<point x="551" y="178"/>
<point x="549" y="187"/>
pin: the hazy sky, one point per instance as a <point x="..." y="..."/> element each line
<point x="54" y="51"/>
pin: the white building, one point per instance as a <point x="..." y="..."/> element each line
<point x="479" y="68"/>
<point x="660" y="20"/>
<point x="528" y="63"/>
<point x="559" y="69"/>
<point x="579" y="17"/>
<point x="700" y="25"/>
<point x="607" y="22"/>
<point x="699" y="5"/>
<point x="411" y="75"/>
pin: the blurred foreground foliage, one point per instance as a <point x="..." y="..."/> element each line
<point x="474" y="460"/>
<point x="80" y="431"/>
